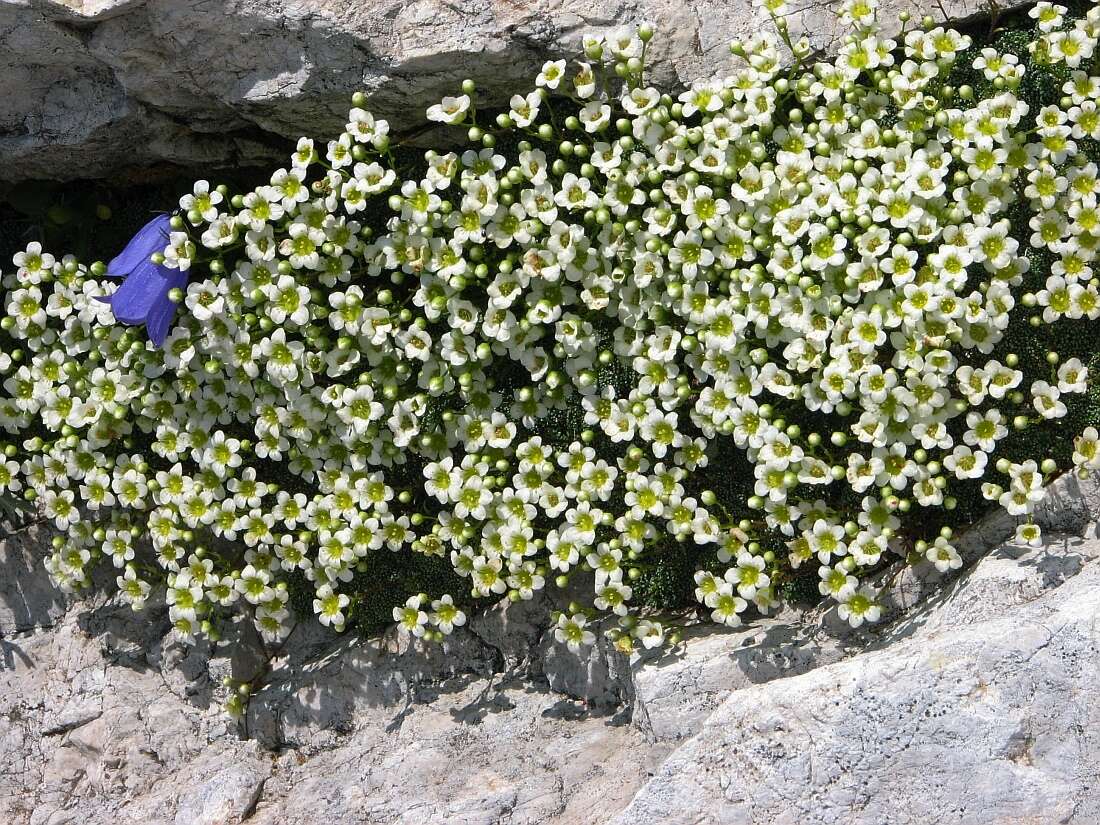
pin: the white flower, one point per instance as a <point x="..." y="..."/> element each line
<point x="525" y="110"/>
<point x="650" y="633"/>
<point x="329" y="607"/>
<point x="446" y="616"/>
<point x="551" y="75"/>
<point x="748" y="576"/>
<point x="965" y="462"/>
<point x="573" y="632"/>
<point x="943" y="555"/>
<point x="1030" y="534"/>
<point x="202" y="200"/>
<point x="836" y="582"/>
<point x="254" y="585"/>
<point x="450" y="109"/>
<point x="1072" y="376"/>
<point x="33" y="264"/>
<point x="859" y="607"/>
<point x="725" y="606"/>
<point x="1086" y="450"/>
<point x="135" y="591"/>
<point x="180" y="252"/>
<point x="1046" y="400"/>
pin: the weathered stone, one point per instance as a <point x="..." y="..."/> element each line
<point x="963" y="716"/>
<point x="675" y="691"/>
<point x="226" y="795"/>
<point x="106" y="707"/>
<point x="95" y="88"/>
<point x="312" y="704"/>
<point x="27" y="599"/>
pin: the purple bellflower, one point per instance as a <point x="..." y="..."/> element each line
<point x="143" y="296"/>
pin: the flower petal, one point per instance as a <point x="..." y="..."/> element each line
<point x="133" y="300"/>
<point x="152" y="237"/>
<point x="163" y="311"/>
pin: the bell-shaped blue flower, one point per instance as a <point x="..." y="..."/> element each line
<point x="143" y="296"/>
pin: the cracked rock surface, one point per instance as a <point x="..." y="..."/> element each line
<point x="974" y="701"/>
<point x="98" y="88"/>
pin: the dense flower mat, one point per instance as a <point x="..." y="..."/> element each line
<point x="783" y="326"/>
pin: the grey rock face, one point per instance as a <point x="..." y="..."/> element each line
<point x="976" y="703"/>
<point x="953" y="721"/>
<point x="95" y="88"/>
<point x="27" y="599"/>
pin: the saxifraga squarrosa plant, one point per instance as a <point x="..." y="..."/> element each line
<point x="776" y="330"/>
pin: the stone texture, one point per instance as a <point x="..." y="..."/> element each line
<point x="105" y="706"/>
<point x="27" y="599"/>
<point x="674" y="693"/>
<point x="97" y="88"/>
<point x="963" y="717"/>
<point x="975" y="703"/>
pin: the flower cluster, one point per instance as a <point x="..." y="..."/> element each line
<point x="531" y="360"/>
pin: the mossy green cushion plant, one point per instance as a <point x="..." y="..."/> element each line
<point x="773" y="331"/>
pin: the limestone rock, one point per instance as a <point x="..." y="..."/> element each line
<point x="97" y="88"/>
<point x="676" y="691"/>
<point x="964" y="716"/>
<point x="27" y="598"/>
<point x="106" y="706"/>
